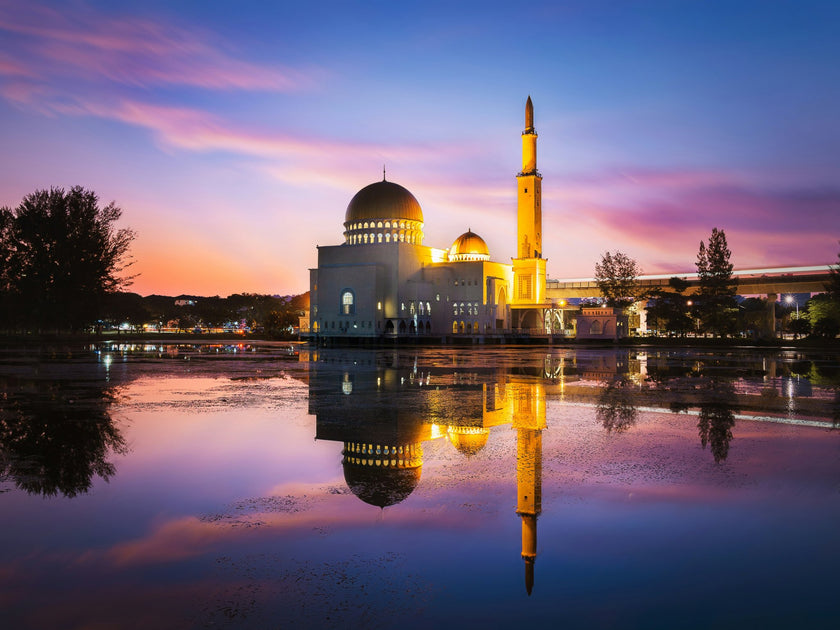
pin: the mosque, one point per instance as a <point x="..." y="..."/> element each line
<point x="382" y="281"/>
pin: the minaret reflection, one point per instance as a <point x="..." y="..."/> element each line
<point x="529" y="421"/>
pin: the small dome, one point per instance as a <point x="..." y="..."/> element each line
<point x="383" y="200"/>
<point x="469" y="246"/>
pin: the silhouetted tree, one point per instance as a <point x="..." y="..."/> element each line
<point x="616" y="277"/>
<point x="832" y="287"/>
<point x="61" y="254"/>
<point x="670" y="310"/>
<point x="715" y="303"/>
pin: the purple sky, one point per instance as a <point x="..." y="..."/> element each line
<point x="234" y="135"/>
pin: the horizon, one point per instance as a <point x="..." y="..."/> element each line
<point x="234" y="140"/>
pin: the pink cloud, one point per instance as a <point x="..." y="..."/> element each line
<point x="133" y="51"/>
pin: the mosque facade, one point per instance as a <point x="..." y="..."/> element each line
<point x="384" y="281"/>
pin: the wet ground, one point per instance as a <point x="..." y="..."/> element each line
<point x="269" y="486"/>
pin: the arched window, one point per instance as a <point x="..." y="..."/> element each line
<point x="411" y="309"/>
<point x="420" y="308"/>
<point x="429" y="307"/>
<point x="454" y="328"/>
<point x="595" y="328"/>
<point x="387" y="224"/>
<point x="387" y="237"/>
<point x="348" y="302"/>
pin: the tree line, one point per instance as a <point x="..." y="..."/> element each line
<point x="271" y="315"/>
<point x="714" y="309"/>
<point x="64" y="267"/>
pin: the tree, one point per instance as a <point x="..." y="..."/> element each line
<point x="833" y="285"/>
<point x="824" y="315"/>
<point x="715" y="304"/>
<point x="616" y="277"/>
<point x="61" y="255"/>
<point x="670" y="311"/>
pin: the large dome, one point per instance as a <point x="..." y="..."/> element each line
<point x="383" y="200"/>
<point x="383" y="213"/>
<point x="469" y="246"/>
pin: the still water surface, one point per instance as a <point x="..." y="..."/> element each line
<point x="262" y="486"/>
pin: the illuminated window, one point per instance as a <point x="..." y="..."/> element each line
<point x="525" y="287"/>
<point x="348" y="302"/>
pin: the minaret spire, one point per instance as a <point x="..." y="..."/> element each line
<point x="529" y="116"/>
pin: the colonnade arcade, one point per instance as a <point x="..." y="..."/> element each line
<point x="384" y="231"/>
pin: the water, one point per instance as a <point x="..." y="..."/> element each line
<point x="267" y="486"/>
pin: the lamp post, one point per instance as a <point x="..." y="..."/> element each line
<point x="789" y="299"/>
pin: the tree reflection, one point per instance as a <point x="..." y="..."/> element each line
<point x="55" y="437"/>
<point x="717" y="417"/>
<point x="616" y="410"/>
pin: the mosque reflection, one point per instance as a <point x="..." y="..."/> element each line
<point x="389" y="407"/>
<point x="383" y="406"/>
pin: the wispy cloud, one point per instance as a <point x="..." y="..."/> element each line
<point x="81" y="43"/>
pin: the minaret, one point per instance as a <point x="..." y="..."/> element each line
<point x="529" y="265"/>
<point x="529" y="215"/>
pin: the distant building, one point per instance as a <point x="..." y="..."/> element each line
<point x="602" y="323"/>
<point x="384" y="282"/>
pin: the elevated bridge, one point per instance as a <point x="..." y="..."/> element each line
<point x="770" y="282"/>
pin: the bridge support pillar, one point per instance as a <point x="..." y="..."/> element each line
<point x="769" y="331"/>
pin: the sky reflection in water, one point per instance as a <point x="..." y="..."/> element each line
<point x="182" y="486"/>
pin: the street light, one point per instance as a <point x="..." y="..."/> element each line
<point x="789" y="299"/>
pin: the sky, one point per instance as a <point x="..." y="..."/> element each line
<point x="233" y="135"/>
